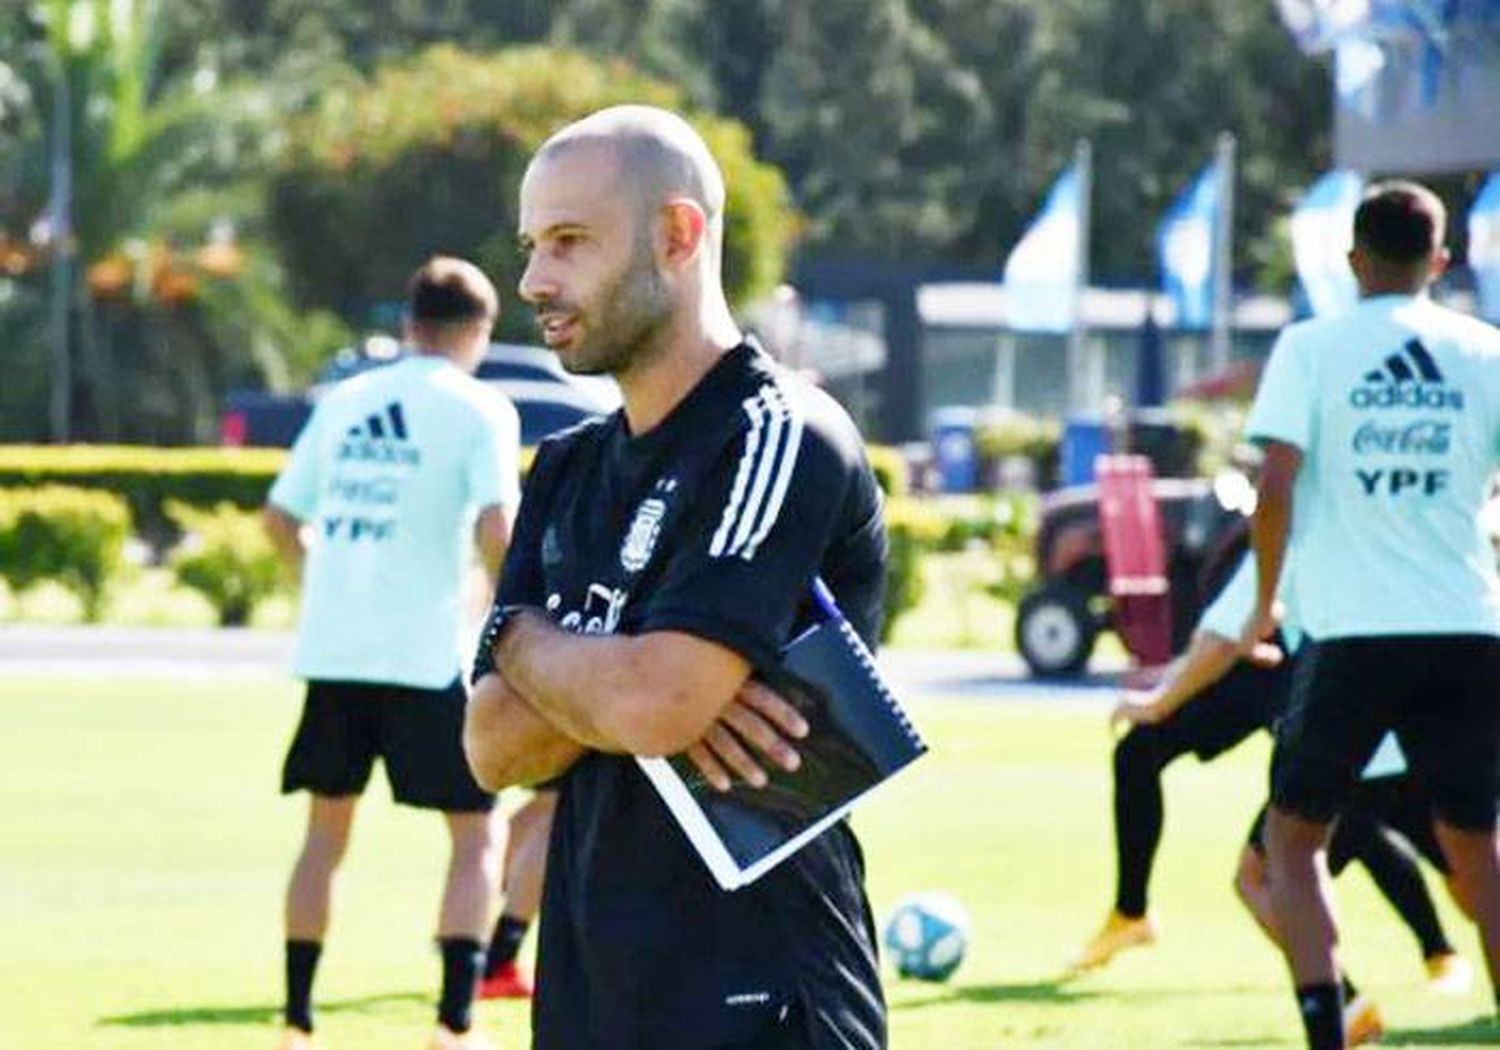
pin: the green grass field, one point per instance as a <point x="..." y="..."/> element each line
<point x="144" y="848"/>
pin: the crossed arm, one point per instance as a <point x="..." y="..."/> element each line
<point x="556" y="694"/>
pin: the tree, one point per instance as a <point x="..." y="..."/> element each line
<point x="871" y="118"/>
<point x="427" y="156"/>
<point x="163" y="176"/>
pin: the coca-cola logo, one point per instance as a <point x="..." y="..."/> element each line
<point x="1428" y="437"/>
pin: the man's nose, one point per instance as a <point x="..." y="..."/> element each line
<point x="536" y="286"/>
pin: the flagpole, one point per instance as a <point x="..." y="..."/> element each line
<point x="1084" y="395"/>
<point x="1224" y="257"/>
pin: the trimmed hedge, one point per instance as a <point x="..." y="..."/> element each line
<point x="73" y="536"/>
<point x="226" y="556"/>
<point x="147" y="478"/>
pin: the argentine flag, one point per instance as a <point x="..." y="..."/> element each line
<point x="1322" y="234"/>
<point x="1484" y="248"/>
<point x="1042" y="273"/>
<point x="1185" y="243"/>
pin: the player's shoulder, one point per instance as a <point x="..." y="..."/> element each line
<point x="1471" y="333"/>
<point x="777" y="395"/>
<point x="589" y="432"/>
<point x="485" y="401"/>
<point x="1311" y="333"/>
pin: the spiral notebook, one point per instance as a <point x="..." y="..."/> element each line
<point x="858" y="737"/>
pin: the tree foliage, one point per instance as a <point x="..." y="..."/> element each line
<point x="427" y="156"/>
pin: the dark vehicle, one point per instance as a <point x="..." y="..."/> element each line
<point x="546" y="396"/>
<point x="1059" y="619"/>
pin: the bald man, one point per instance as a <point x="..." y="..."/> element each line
<point x="662" y="558"/>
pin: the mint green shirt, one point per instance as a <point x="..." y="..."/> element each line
<point x="1396" y="408"/>
<point x="391" y="472"/>
<point x="1227" y="614"/>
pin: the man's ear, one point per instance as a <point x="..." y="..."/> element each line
<point x="684" y="226"/>
<point x="1440" y="260"/>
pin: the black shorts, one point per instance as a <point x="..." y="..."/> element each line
<point x="1246" y="699"/>
<point x="418" y="733"/>
<point x="1376" y="807"/>
<point x="1441" y="695"/>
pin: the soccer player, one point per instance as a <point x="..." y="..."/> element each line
<point x="393" y="474"/>
<point x="1212" y="700"/>
<point x="662" y="555"/>
<point x="1381" y="429"/>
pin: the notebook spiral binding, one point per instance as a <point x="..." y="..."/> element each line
<point x="862" y="651"/>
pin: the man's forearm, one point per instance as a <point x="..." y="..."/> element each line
<point x="1208" y="659"/>
<point x="508" y="743"/>
<point x="1272" y="521"/>
<point x="1269" y="528"/>
<point x="647" y="695"/>
<point x="285" y="532"/>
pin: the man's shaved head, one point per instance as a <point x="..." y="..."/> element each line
<point x="659" y="157"/>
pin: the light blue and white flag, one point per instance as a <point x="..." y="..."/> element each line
<point x="1322" y="234"/>
<point x="1042" y="273"/>
<point x="1185" y="242"/>
<point x="1484" y="248"/>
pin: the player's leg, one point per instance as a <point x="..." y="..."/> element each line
<point x="422" y="744"/>
<point x="473" y="867"/>
<point x="1139" y="759"/>
<point x="1392" y="865"/>
<point x="330" y="757"/>
<point x="309" y="896"/>
<point x="1333" y="722"/>
<point x="1452" y="737"/>
<point x="1252" y="880"/>
<point x="1252" y="883"/>
<point x="524" y="868"/>
<point x="1219" y="718"/>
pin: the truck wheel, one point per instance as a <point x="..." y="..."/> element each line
<point x="1055" y="631"/>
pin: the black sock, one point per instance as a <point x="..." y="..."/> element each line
<point x="505" y="943"/>
<point x="1346" y="986"/>
<point x="463" y="958"/>
<point x="301" y="964"/>
<point x="1322" y="1010"/>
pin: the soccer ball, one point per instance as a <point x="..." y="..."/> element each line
<point x="926" y="936"/>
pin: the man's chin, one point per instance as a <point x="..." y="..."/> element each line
<point x="578" y="360"/>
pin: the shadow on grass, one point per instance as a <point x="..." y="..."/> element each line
<point x="1045" y="992"/>
<point x="1482" y="1031"/>
<point x="252" y="1015"/>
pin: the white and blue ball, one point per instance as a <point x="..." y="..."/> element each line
<point x="927" y="935"/>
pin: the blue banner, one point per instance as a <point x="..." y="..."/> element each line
<point x="1042" y="273"/>
<point x="1484" y="248"/>
<point x="1322" y="234"/>
<point x="1185" y="243"/>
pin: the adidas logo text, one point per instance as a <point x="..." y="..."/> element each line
<point x="1407" y="379"/>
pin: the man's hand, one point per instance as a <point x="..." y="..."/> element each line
<point x="756" y="718"/>
<point x="1136" y="708"/>
<point x="1255" y="639"/>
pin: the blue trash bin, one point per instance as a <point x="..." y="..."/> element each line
<point x="954" y="450"/>
<point x="1083" y="440"/>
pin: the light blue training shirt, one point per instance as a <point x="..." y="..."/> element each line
<point x="1227" y="613"/>
<point x="391" y="472"/>
<point x="1395" y="406"/>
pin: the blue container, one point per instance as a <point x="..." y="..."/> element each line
<point x="953" y="448"/>
<point x="1083" y="440"/>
